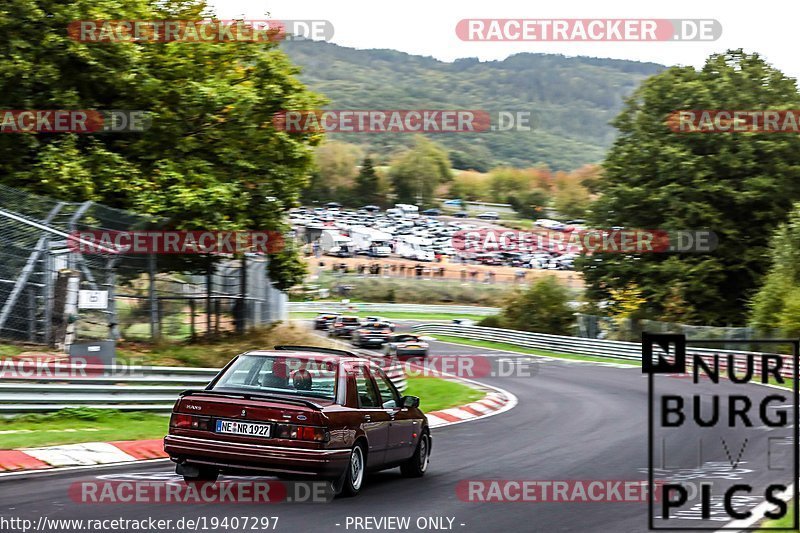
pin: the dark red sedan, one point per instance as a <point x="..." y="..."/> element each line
<point x="298" y="411"/>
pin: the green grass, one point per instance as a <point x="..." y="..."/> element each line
<point x="786" y="522"/>
<point x="71" y="426"/>
<point x="532" y="351"/>
<point x="436" y="394"/>
<point x="217" y="351"/>
<point x="12" y="350"/>
<point x="395" y="315"/>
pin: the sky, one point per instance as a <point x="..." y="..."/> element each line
<point x="427" y="27"/>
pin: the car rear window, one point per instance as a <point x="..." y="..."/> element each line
<point x="350" y="320"/>
<point x="279" y="374"/>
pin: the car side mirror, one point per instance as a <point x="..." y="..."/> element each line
<point x="409" y="401"/>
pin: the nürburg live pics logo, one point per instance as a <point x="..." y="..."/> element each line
<point x="722" y="443"/>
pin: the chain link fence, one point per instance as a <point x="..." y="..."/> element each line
<point x="149" y="297"/>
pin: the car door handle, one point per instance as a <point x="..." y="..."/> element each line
<point x="367" y="418"/>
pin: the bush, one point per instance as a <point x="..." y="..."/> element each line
<point x="491" y="321"/>
<point x="543" y="308"/>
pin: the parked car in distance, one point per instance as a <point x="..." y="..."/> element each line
<point x="343" y="326"/>
<point x="301" y="412"/>
<point x="406" y="344"/>
<point x="323" y="320"/>
<point x="431" y="212"/>
<point x="489" y="215"/>
<point x="371" y="334"/>
<point x="461" y="214"/>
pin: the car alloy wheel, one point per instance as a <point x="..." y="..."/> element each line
<point x="357" y="468"/>
<point x="423" y="454"/>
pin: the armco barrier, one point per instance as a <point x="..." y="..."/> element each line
<point x="377" y="308"/>
<point x="582" y="346"/>
<point x="152" y="389"/>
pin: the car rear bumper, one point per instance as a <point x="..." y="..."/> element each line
<point x="372" y="342"/>
<point x="236" y="455"/>
<point x="400" y="352"/>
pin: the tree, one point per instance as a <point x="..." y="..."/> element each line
<point x="368" y="190"/>
<point x="740" y="186"/>
<point x="774" y="304"/>
<point x="571" y="198"/>
<point x="212" y="157"/>
<point x="529" y="204"/>
<point x="417" y="172"/>
<point x="542" y="308"/>
<point x="338" y="167"/>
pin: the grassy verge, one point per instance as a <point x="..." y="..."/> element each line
<point x="787" y="522"/>
<point x="532" y="351"/>
<point x="13" y="350"/>
<point x="436" y="394"/>
<point x="72" y="426"/>
<point x="218" y="351"/>
<point x="394" y="315"/>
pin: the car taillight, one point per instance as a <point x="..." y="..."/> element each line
<point x="292" y="431"/>
<point x="363" y="331"/>
<point x="182" y="421"/>
<point x="386" y="331"/>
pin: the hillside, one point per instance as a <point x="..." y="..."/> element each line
<point x="571" y="99"/>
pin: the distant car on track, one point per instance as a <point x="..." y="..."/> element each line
<point x="406" y="344"/>
<point x="371" y="334"/>
<point x="489" y="215"/>
<point x="298" y="412"/>
<point x="323" y="320"/>
<point x="343" y="326"/>
<point x="369" y="319"/>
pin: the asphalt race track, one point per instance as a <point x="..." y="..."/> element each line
<point x="574" y="421"/>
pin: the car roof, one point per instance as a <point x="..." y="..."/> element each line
<point x="308" y="352"/>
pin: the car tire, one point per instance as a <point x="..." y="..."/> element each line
<point x="417" y="464"/>
<point x="205" y="474"/>
<point x="354" y="473"/>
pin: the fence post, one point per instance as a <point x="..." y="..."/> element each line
<point x="49" y="293"/>
<point x="111" y="312"/>
<point x="191" y="320"/>
<point x="31" y="314"/>
<point x="240" y="308"/>
<point x="155" y="333"/>
<point x="208" y="299"/>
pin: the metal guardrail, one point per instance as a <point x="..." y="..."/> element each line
<point x="153" y="389"/>
<point x="600" y="348"/>
<point x="356" y="307"/>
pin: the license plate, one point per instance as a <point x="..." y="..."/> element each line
<point x="244" y="428"/>
<point x="412" y="346"/>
